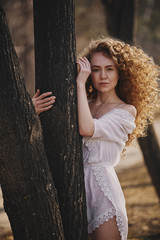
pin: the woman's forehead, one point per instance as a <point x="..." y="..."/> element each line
<point x="99" y="58"/>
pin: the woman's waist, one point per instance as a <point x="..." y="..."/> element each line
<point x="98" y="164"/>
<point x="97" y="159"/>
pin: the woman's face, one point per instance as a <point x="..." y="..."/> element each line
<point x="104" y="75"/>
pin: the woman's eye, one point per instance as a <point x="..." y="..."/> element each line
<point x="109" y="69"/>
<point x="95" y="70"/>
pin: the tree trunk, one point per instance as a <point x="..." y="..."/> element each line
<point x="151" y="152"/>
<point x="120" y="18"/>
<point x="30" y="198"/>
<point x="56" y="71"/>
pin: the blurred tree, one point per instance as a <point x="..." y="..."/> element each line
<point x="90" y="22"/>
<point x="151" y="153"/>
<point x="54" y="24"/>
<point x="120" y="24"/>
<point x="120" y="15"/>
<point x="30" y="198"/>
<point x="148" y="27"/>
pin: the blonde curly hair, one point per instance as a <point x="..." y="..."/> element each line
<point x="137" y="84"/>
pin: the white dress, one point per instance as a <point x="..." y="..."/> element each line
<point x="101" y="153"/>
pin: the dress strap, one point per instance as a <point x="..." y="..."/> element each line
<point x="120" y="104"/>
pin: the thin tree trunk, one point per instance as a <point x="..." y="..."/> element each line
<point x="151" y="151"/>
<point x="29" y="194"/>
<point x="56" y="71"/>
<point x="120" y="16"/>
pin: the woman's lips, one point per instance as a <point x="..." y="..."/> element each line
<point x="103" y="84"/>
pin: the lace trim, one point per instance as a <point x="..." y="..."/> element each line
<point x="105" y="217"/>
<point x="91" y="145"/>
<point x="103" y="185"/>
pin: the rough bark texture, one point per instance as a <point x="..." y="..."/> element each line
<point x="120" y="18"/>
<point x="151" y="151"/>
<point x="56" y="71"/>
<point x="28" y="189"/>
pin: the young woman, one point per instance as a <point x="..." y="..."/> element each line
<point x="117" y="95"/>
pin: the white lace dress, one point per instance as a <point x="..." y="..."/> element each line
<point x="101" y="153"/>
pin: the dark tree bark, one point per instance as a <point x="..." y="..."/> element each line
<point x="56" y="71"/>
<point x="121" y="24"/>
<point x="151" y="152"/>
<point x="30" y="198"/>
<point x="120" y="16"/>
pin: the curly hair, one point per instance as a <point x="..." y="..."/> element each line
<point x="138" y="79"/>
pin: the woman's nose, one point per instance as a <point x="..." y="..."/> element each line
<point x="103" y="74"/>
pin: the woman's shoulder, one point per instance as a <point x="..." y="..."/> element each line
<point x="130" y="108"/>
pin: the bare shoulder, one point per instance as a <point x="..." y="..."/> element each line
<point x="130" y="108"/>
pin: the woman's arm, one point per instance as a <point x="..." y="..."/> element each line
<point x="43" y="102"/>
<point x="85" y="120"/>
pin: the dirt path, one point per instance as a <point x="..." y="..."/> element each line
<point x="142" y="203"/>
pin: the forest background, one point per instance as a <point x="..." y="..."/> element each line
<point x="90" y="23"/>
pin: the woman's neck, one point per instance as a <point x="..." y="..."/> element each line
<point x="107" y="97"/>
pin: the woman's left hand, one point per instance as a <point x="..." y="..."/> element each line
<point x="43" y="102"/>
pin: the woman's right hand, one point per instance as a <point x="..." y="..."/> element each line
<point x="85" y="120"/>
<point x="43" y="102"/>
<point x="84" y="71"/>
